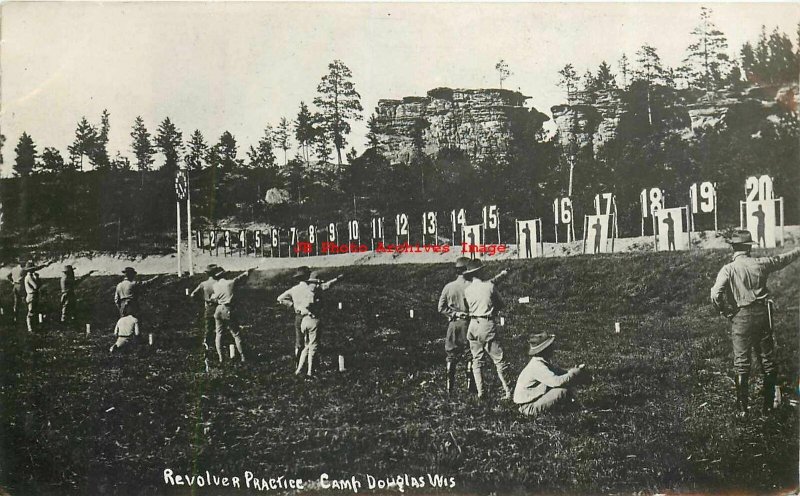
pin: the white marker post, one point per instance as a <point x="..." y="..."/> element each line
<point x="502" y="321"/>
<point x="411" y="313"/>
<point x="88" y="329"/>
<point x="341" y="363"/>
<point x="150" y="339"/>
<point x="41" y="318"/>
<point x="616" y="327"/>
<point x="525" y="299"/>
<point x="187" y="291"/>
<point x="232" y="351"/>
<point x="340" y="305"/>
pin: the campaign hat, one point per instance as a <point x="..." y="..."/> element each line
<point x="129" y="270"/>
<point x="68" y="268"/>
<point x="474" y="266"/>
<point x="30" y="265"/>
<point x="211" y="269"/>
<point x="539" y="342"/>
<point x="301" y="273"/>
<point x="462" y="262"/>
<point x="314" y="277"/>
<point x="741" y="238"/>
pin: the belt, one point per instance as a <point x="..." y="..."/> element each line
<point x="762" y="302"/>
<point x="484" y="318"/>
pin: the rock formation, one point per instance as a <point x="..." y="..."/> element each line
<point x="481" y="122"/>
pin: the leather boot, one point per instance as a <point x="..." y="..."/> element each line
<point x="769" y="392"/>
<point x="742" y="387"/>
<point x="471" y="387"/>
<point x="451" y="377"/>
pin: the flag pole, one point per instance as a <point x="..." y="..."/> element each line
<point x="189" y="223"/>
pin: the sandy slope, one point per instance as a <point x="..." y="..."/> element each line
<point x="108" y="264"/>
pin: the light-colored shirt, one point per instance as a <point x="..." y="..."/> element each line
<point x="452" y="299"/>
<point x="483" y="300"/>
<point x="17" y="275"/>
<point x="537" y="377"/>
<point x="127" y="326"/>
<point x="207" y="288"/>
<point x="745" y="278"/>
<point x="129" y="290"/>
<point x="302" y="297"/>
<point x="32" y="283"/>
<point x="223" y="289"/>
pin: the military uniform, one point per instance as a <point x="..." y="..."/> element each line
<point x="206" y="288"/>
<point x="68" y="285"/>
<point x="127" y="293"/>
<point x="17" y="278"/>
<point x="224" y="315"/>
<point x="32" y="285"/>
<point x="126" y="330"/>
<point x="287" y="298"/>
<point x="484" y="302"/>
<point x="453" y="305"/>
<point x="740" y="292"/>
<point x="541" y="385"/>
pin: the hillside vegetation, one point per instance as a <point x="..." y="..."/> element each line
<point x="658" y="414"/>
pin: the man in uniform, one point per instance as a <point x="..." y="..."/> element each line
<point x="68" y="285"/>
<point x="453" y="306"/>
<point x="224" y="317"/>
<point x="32" y="286"/>
<point x="287" y="298"/>
<point x="17" y="278"/>
<point x="483" y="302"/>
<point x="740" y="293"/>
<point x="306" y="301"/>
<point x="206" y="288"/>
<point x="127" y="292"/>
<point x="541" y="385"/>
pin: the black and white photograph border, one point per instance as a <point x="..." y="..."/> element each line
<point x="254" y="247"/>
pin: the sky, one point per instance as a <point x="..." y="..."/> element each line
<point x="239" y="66"/>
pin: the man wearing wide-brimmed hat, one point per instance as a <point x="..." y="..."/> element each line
<point x="483" y="302"/>
<point x="17" y="278"/>
<point x="306" y="302"/>
<point x="68" y="285"/>
<point x="224" y="314"/>
<point x="740" y="293"/>
<point x="128" y="291"/>
<point x="32" y="286"/>
<point x="453" y="306"/>
<point x="288" y="297"/>
<point x="206" y="288"/>
<point x="541" y="385"/>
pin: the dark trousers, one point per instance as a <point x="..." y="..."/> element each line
<point x="750" y="330"/>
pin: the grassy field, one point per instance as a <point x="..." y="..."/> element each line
<point x="658" y="413"/>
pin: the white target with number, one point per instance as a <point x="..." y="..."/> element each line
<point x="759" y="188"/>
<point x="312" y="234"/>
<point x="227" y="238"/>
<point x="458" y="218"/>
<point x="258" y="239"/>
<point x="652" y="201"/>
<point x="562" y="211"/>
<point x="490" y="218"/>
<point x="429" y="223"/>
<point x="377" y="228"/>
<point x="352" y="229"/>
<point x="401" y="224"/>
<point x="332" y="232"/>
<point x="603" y="203"/>
<point x="703" y="197"/>
<point x="275" y="238"/>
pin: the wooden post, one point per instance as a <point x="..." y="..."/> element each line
<point x="178" y="216"/>
<point x="189" y="224"/>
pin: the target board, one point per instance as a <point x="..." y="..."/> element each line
<point x="761" y="221"/>
<point x="672" y="231"/>
<point x="596" y="230"/>
<point x="529" y="236"/>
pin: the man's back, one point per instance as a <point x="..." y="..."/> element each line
<point x="746" y="277"/>
<point x="452" y="297"/>
<point x="17" y="275"/>
<point x="482" y="298"/>
<point x="223" y="291"/>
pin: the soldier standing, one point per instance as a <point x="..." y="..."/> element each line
<point x="127" y="292"/>
<point x="306" y="301"/>
<point x="68" y="284"/>
<point x="453" y="305"/>
<point x="224" y="316"/>
<point x="17" y="278"/>
<point x="32" y="286"/>
<point x="287" y="298"/>
<point x="740" y="293"/>
<point x="483" y="302"/>
<point x="206" y="288"/>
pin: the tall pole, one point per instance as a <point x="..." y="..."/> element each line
<point x="189" y="224"/>
<point x="178" y="217"/>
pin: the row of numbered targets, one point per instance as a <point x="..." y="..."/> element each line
<point x="761" y="213"/>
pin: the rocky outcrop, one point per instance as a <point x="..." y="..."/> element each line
<point x="480" y="122"/>
<point x="584" y="124"/>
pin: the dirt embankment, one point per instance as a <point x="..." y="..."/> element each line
<point x="108" y="264"/>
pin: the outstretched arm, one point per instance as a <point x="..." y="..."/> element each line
<point x="285" y="298"/>
<point x="147" y="282"/>
<point x="196" y="290"/>
<point x="499" y="276"/>
<point x="780" y="261"/>
<point x="244" y="275"/>
<point x="83" y="277"/>
<point x="328" y="284"/>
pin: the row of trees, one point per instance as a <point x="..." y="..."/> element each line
<point x="318" y="134"/>
<point x="707" y="65"/>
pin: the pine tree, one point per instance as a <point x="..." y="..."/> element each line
<point x="51" y="161"/>
<point x="262" y="157"/>
<point x="372" y="132"/>
<point x="85" y="143"/>
<point x="706" y="64"/>
<point x="99" y="155"/>
<point x="304" y="130"/>
<point x="503" y="72"/>
<point x="650" y="68"/>
<point x="223" y="154"/>
<point x="624" y="70"/>
<point x="169" y="141"/>
<point x="141" y="145"/>
<point x="569" y="82"/>
<point x="339" y="103"/>
<point x="605" y="79"/>
<point x="198" y="151"/>
<point x="26" y="156"/>
<point x="282" y="137"/>
<point x="322" y="142"/>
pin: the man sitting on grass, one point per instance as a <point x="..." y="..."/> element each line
<point x="126" y="330"/>
<point x="541" y="385"/>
